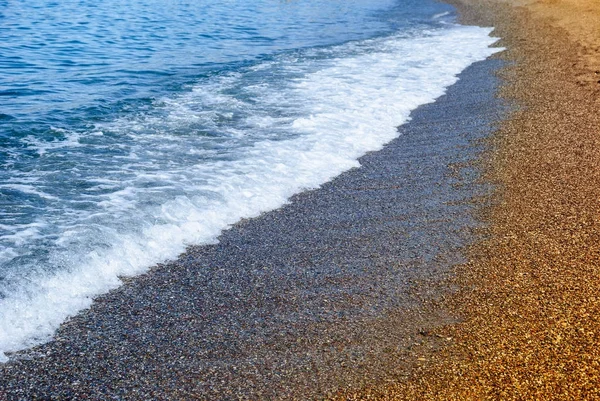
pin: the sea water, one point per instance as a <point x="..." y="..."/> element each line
<point x="130" y="130"/>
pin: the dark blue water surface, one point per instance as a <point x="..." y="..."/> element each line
<point x="71" y="61"/>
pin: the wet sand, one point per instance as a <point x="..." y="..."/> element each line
<point x="528" y="297"/>
<point x="333" y="293"/>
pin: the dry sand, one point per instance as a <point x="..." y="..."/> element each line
<point x="530" y="294"/>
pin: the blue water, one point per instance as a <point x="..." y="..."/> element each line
<point x="129" y="130"/>
<point x="64" y="62"/>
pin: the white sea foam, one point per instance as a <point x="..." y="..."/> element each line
<point x="207" y="158"/>
<point x="440" y="15"/>
<point x="69" y="139"/>
<point x="28" y="189"/>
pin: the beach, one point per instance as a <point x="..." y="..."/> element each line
<point x="529" y="292"/>
<point x="459" y="262"/>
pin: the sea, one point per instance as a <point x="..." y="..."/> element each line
<point x="130" y="130"/>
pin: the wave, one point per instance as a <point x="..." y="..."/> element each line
<point x="233" y="146"/>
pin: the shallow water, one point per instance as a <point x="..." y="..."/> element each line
<point x="129" y="131"/>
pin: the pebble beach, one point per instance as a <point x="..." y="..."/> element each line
<point x="459" y="262"/>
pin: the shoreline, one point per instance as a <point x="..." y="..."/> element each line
<point x="327" y="294"/>
<point x="322" y="308"/>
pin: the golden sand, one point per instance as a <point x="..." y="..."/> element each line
<point x="530" y="294"/>
<point x="581" y="21"/>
